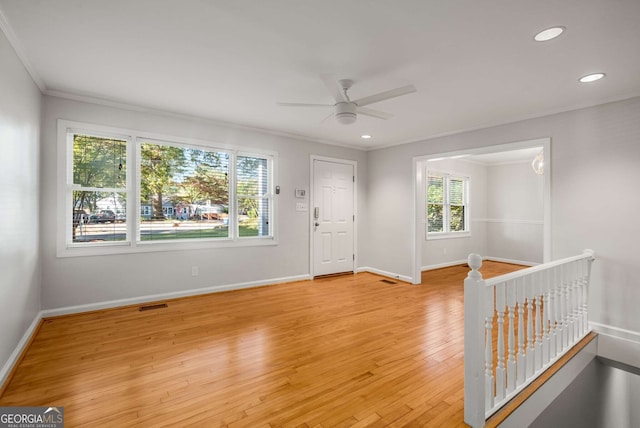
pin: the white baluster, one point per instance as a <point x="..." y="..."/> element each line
<point x="530" y="336"/>
<point x="546" y="343"/>
<point x="488" y="358"/>
<point x="571" y="302"/>
<point x="578" y="299"/>
<point x="579" y="291"/>
<point x="537" y="293"/>
<point x="563" y="308"/>
<point x="511" y="358"/>
<point x="553" y="314"/>
<point x="500" y="369"/>
<point x="522" y="361"/>
<point x="559" y="318"/>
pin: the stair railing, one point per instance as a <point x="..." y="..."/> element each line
<point x="517" y="325"/>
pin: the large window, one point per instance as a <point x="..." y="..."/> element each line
<point x="447" y="205"/>
<point x="125" y="191"/>
<point x="184" y="192"/>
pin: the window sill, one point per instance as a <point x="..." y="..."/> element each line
<point x="451" y="235"/>
<point x="124" y="248"/>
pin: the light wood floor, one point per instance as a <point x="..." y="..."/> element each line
<point x="349" y="351"/>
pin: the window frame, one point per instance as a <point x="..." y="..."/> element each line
<point x="447" y="233"/>
<point x="132" y="243"/>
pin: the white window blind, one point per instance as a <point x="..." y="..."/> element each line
<point x="97" y="189"/>
<point x="254" y="199"/>
<point x="447" y="204"/>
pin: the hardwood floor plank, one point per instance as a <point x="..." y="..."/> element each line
<point x="338" y="351"/>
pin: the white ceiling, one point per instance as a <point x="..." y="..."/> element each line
<point x="474" y="63"/>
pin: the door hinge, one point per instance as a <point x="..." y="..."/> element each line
<point x="354" y="178"/>
<point x="354" y="217"/>
<point x="354" y="257"/>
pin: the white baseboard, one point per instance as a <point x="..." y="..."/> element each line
<point x="165" y="296"/>
<point x="618" y="332"/>
<point x="384" y="273"/>
<point x="443" y="265"/>
<point x="512" y="261"/>
<point x="13" y="358"/>
<point x="617" y="344"/>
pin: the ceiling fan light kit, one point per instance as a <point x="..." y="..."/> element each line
<point x="346" y="113"/>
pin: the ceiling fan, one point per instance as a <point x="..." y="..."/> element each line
<point x="346" y="110"/>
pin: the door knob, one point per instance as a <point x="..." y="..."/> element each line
<point x="317" y="224"/>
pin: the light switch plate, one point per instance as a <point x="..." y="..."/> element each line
<point x="302" y="206"/>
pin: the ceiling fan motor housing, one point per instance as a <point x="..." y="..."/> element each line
<point x="346" y="112"/>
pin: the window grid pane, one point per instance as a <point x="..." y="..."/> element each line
<point x="184" y="193"/>
<point x="456" y="191"/>
<point x="253" y="199"/>
<point x="98" y="217"/>
<point x="99" y="162"/>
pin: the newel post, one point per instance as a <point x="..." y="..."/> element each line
<point x="474" y="377"/>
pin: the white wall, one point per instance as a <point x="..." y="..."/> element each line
<point x="436" y="252"/>
<point x="595" y="161"/>
<point x="19" y="200"/>
<point x="601" y="396"/>
<point x="84" y="280"/>
<point x="515" y="217"/>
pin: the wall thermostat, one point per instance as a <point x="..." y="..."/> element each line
<point x="301" y="193"/>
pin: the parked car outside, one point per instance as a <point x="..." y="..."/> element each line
<point x="79" y="217"/>
<point x="102" y="216"/>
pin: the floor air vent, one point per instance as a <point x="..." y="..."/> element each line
<point x="149" y="307"/>
<point x="388" y="281"/>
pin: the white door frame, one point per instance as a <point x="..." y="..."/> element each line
<point x="355" y="207"/>
<point x="418" y="198"/>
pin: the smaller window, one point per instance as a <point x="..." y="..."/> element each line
<point x="96" y="189"/>
<point x="447" y="209"/>
<point x="254" y="199"/>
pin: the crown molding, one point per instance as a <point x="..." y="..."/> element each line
<point x="20" y="52"/>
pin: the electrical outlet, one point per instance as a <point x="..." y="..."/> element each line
<point x="194" y="270"/>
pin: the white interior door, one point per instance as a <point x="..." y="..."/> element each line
<point x="333" y="217"/>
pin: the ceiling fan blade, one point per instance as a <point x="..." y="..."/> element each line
<point x="326" y="118"/>
<point x="392" y="93"/>
<point x="303" y="105"/>
<point x="334" y="88"/>
<point x="374" y="113"/>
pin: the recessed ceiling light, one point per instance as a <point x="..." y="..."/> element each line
<point x="591" y="77"/>
<point x="365" y="137"/>
<point x="548" y="34"/>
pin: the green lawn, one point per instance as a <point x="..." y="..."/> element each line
<point x="248" y="228"/>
